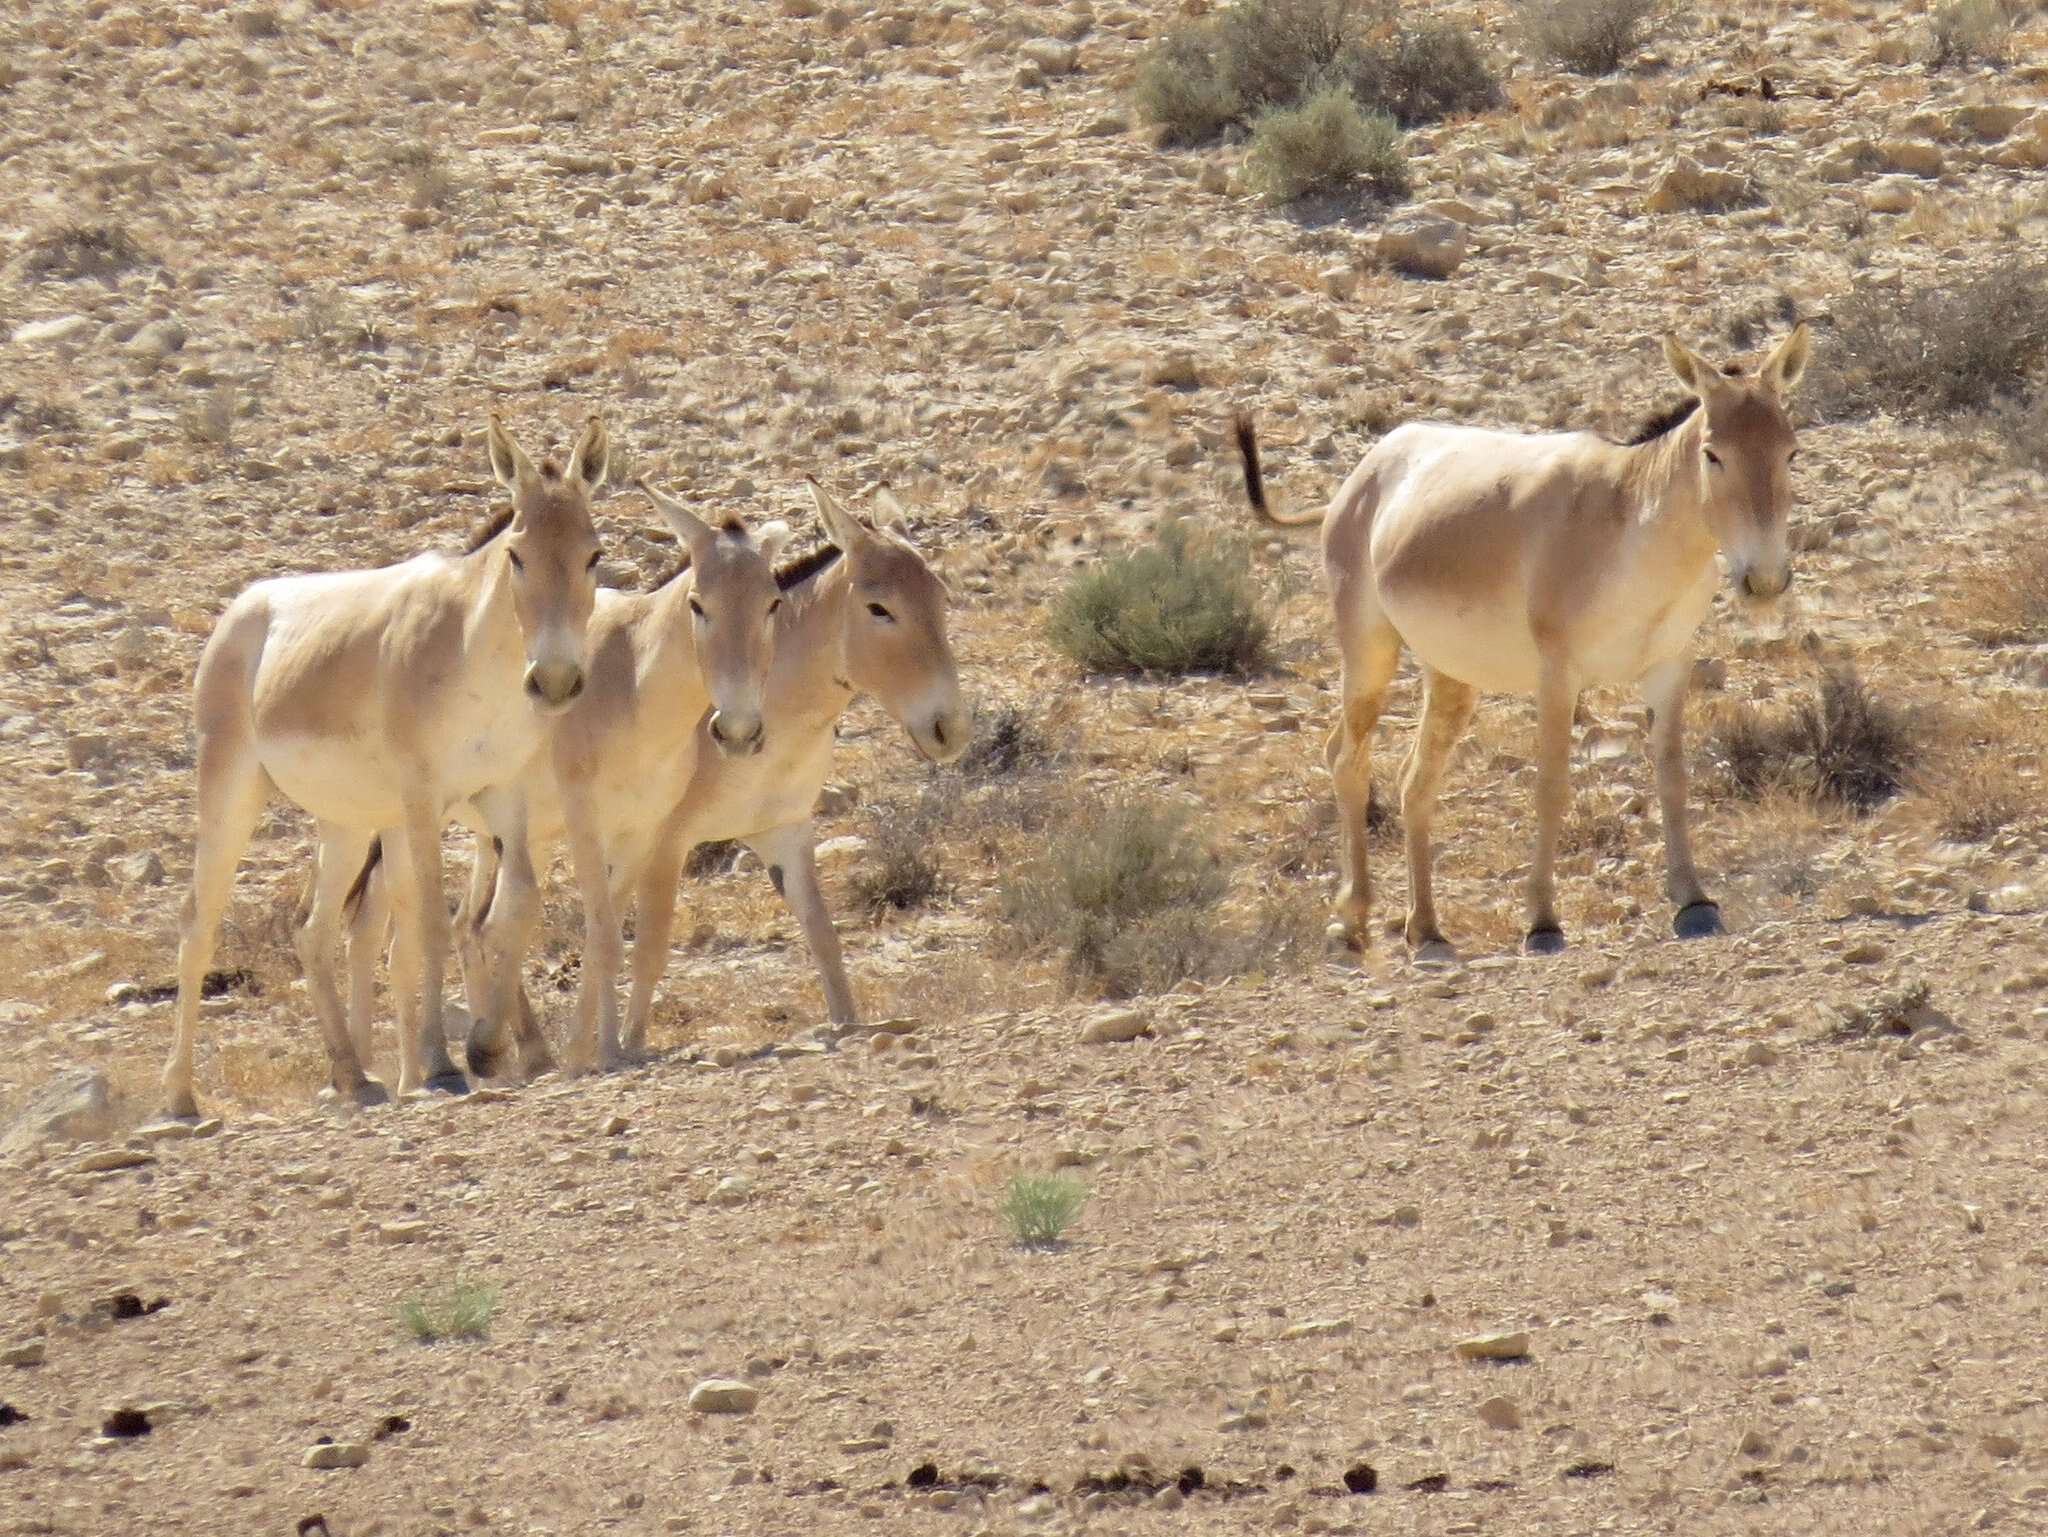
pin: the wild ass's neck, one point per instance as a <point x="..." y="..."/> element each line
<point x="1666" y="475"/>
<point x="490" y="625"/>
<point x="809" y="681"/>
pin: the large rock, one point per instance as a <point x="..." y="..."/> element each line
<point x="74" y="1106"/>
<point x="1688" y="186"/>
<point x="1912" y="157"/>
<point x="1423" y="245"/>
<point x="723" y="1395"/>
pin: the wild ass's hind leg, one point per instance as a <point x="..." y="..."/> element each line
<point x="1556" y="698"/>
<point x="1371" y="648"/>
<point x="1664" y="688"/>
<point x="339" y="862"/>
<point x="790" y="853"/>
<point x="498" y="918"/>
<point x="654" y="920"/>
<point x="1447" y="707"/>
<point x="232" y="790"/>
<point x="596" y="1040"/>
<point x="422" y="910"/>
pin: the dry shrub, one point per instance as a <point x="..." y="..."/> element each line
<point x="1325" y="145"/>
<point x="900" y="872"/>
<point x="2007" y="598"/>
<point x="1183" y="603"/>
<point x="1976" y="801"/>
<point x="1844" y="746"/>
<point x="2023" y="424"/>
<point x="1899" y="1011"/>
<point x="81" y="251"/>
<point x="1591" y="37"/>
<point x="1939" y="349"/>
<point x="1005" y="743"/>
<point x="1969" y="32"/>
<point x="1262" y="54"/>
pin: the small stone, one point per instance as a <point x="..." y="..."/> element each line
<point x="1406" y="1216"/>
<point x="1754" y="1443"/>
<point x="1689" y="187"/>
<point x="1052" y="56"/>
<point x="1317" y="1328"/>
<point x="1340" y="283"/>
<point x="722" y="1395"/>
<point x="108" y="1160"/>
<point x="1177" y="371"/>
<point x="1108" y="125"/>
<point x="1865" y="952"/>
<point x="1423" y="246"/>
<point x="733" y="1190"/>
<point x="1494" y="1347"/>
<point x="1991" y="120"/>
<point x="1114" y="1025"/>
<point x="29" y="1352"/>
<point x="156" y="341"/>
<point x="336" y="1454"/>
<point x="1759" y="1054"/>
<point x="61" y="329"/>
<point x="1890" y="194"/>
<point x="144" y="869"/>
<point x="402" y="1232"/>
<point x="1499" y="1413"/>
<point x="615" y="1125"/>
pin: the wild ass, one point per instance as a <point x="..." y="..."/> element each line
<point x="871" y="622"/>
<point x="1544" y="564"/>
<point x="373" y="699"/>
<point x="689" y="658"/>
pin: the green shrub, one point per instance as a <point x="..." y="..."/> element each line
<point x="1938" y="349"/>
<point x="1037" y="1208"/>
<point x="1185" y="88"/>
<point x="1325" y="145"/>
<point x="460" y="1312"/>
<point x="1177" y="605"/>
<point x="1592" y="37"/>
<point x="1435" y="71"/>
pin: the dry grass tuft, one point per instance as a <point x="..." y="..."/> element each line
<point x="900" y="872"/>
<point x="1844" y="746"/>
<point x="1966" y="33"/>
<point x="1591" y="37"/>
<point x="2005" y="601"/>
<point x="1939" y="349"/>
<point x="1976" y="801"/>
<point x="1005" y="743"/>
<point x="1899" y="1011"/>
<point x="81" y="251"/>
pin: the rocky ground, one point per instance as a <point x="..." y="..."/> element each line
<point x="1767" y="1209"/>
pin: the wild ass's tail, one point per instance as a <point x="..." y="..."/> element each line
<point x="353" y="902"/>
<point x="1255" y="480"/>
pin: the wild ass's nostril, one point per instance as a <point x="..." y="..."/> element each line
<point x="939" y="730"/>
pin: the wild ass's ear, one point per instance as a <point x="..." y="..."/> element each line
<point x="770" y="539"/>
<point x="840" y="526"/>
<point x="888" y="513"/>
<point x="592" y="455"/>
<point x="1782" y="369"/>
<point x="508" y="460"/>
<point x="1692" y="372"/>
<point x="687" y="526"/>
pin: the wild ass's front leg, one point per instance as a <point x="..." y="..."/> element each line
<point x="1664" y="689"/>
<point x="596" y="1042"/>
<point x="1557" y="696"/>
<point x="501" y="914"/>
<point x="790" y="853"/>
<point x="339" y="861"/>
<point x="654" y="919"/>
<point x="423" y="1061"/>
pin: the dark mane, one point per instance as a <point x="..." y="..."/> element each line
<point x="680" y="567"/>
<point x="1667" y="420"/>
<point x="805" y="566"/>
<point x="500" y="521"/>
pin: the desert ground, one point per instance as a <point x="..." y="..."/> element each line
<point x="1768" y="1208"/>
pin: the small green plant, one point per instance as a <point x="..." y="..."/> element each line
<point x="1180" y="604"/>
<point x="1590" y="37"/>
<point x="1037" y="1208"/>
<point x="462" y="1311"/>
<point x="1325" y="145"/>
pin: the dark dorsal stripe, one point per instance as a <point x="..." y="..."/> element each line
<point x="1668" y="420"/>
<point x="804" y="567"/>
<point x="483" y="536"/>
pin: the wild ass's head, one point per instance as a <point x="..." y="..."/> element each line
<point x="551" y="548"/>
<point x="896" y="645"/>
<point x="1746" y="452"/>
<point x="733" y="599"/>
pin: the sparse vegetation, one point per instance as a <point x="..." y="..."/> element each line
<point x="1260" y="55"/>
<point x="1325" y="145"/>
<point x="1038" y="1208"/>
<point x="462" y="1311"/>
<point x="1940" y="349"/>
<point x="81" y="251"/>
<point x="899" y="872"/>
<point x="2006" y="598"/>
<point x="1899" y="1011"/>
<point x="1591" y="37"/>
<point x="1975" y="801"/>
<point x="1844" y="746"/>
<point x="1124" y="891"/>
<point x="1004" y="743"/>
<point x="1184" y="603"/>
<point x="1971" y="32"/>
<point x="2023" y="424"/>
<point x="211" y="420"/>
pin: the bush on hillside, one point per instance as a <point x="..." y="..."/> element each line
<point x="1325" y="145"/>
<point x="1178" y="605"/>
<point x="1938" y="349"/>
<point x="1590" y="37"/>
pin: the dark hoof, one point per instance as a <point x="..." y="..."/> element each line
<point x="1340" y="938"/>
<point x="485" y="1051"/>
<point x="366" y="1095"/>
<point x="1699" y="920"/>
<point x="450" y="1082"/>
<point x="1544" y="942"/>
<point x="1436" y="952"/>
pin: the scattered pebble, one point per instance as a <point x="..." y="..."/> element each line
<point x="723" y="1395"/>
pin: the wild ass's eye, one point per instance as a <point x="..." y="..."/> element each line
<point x="696" y="608"/>
<point x="880" y="612"/>
<point x="517" y="564"/>
<point x="1714" y="459"/>
<point x="595" y="557"/>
